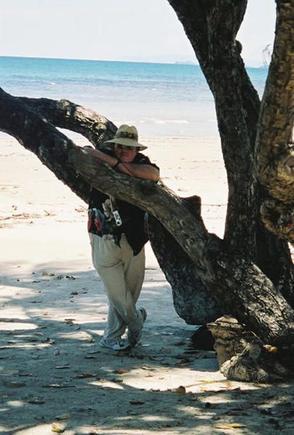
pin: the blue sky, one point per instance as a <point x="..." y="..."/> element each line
<point x="136" y="30"/>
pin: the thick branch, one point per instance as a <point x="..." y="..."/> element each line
<point x="192" y="300"/>
<point x="278" y="217"/>
<point x="275" y="141"/>
<point x="251" y="297"/>
<point x="238" y="285"/>
<point x="40" y="137"/>
<point x="65" y="114"/>
<point x="211" y="27"/>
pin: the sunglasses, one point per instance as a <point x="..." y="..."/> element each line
<point x="124" y="147"/>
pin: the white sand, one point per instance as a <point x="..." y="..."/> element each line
<point x="53" y="310"/>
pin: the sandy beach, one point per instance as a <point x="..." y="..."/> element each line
<point x="54" y="377"/>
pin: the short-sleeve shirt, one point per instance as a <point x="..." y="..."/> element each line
<point x="132" y="217"/>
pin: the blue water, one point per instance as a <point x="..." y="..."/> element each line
<point x="161" y="99"/>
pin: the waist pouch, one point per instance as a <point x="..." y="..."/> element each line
<point x="100" y="225"/>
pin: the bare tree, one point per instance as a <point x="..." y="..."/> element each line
<point x="247" y="274"/>
<point x="266" y="54"/>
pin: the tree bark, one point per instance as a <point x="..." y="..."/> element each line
<point x="211" y="27"/>
<point x="65" y="114"/>
<point x="275" y="137"/>
<point x="242" y="356"/>
<point x="192" y="300"/>
<point x="237" y="284"/>
<point x="272" y="255"/>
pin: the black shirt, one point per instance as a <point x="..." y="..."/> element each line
<point x="132" y="217"/>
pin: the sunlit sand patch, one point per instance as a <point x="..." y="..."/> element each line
<point x="8" y="325"/>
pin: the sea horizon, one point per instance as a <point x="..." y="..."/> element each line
<point x="161" y="99"/>
<point x="175" y="62"/>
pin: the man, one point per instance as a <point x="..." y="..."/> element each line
<point x="117" y="237"/>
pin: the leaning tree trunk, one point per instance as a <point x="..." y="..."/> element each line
<point x="237" y="284"/>
<point x="192" y="301"/>
<point x="211" y="28"/>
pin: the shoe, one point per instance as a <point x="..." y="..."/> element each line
<point x="143" y="314"/>
<point x="134" y="337"/>
<point x="114" y="344"/>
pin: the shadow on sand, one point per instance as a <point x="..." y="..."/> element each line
<point x="52" y="371"/>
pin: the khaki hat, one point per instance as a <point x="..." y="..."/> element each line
<point x="127" y="135"/>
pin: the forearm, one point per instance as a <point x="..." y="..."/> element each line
<point x="146" y="172"/>
<point x="102" y="157"/>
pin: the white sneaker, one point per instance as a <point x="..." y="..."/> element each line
<point x="135" y="336"/>
<point x="114" y="344"/>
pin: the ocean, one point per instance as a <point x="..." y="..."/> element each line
<point x="160" y="99"/>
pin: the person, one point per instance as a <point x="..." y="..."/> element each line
<point x="117" y="237"/>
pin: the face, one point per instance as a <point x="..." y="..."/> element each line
<point x="124" y="153"/>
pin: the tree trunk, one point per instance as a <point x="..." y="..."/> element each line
<point x="237" y="284"/>
<point x="192" y="300"/>
<point x="275" y="138"/>
<point x="65" y="114"/>
<point x="211" y="28"/>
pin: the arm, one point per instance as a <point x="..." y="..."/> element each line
<point x="146" y="172"/>
<point x="101" y="156"/>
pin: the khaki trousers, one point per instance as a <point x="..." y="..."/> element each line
<point x="122" y="274"/>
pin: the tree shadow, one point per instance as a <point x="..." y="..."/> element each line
<point x="53" y="371"/>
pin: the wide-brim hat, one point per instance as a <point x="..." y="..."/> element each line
<point x="127" y="135"/>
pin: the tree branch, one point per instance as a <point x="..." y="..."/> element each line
<point x="275" y="141"/>
<point x="43" y="139"/>
<point x="65" y="114"/>
<point x="278" y="217"/>
<point x="238" y="285"/>
<point x="252" y="297"/>
<point x="211" y="27"/>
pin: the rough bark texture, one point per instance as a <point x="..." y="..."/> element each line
<point x="211" y="27"/>
<point x="65" y="114"/>
<point x="278" y="217"/>
<point x="242" y="356"/>
<point x="275" y="138"/>
<point x="192" y="300"/>
<point x="237" y="284"/>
